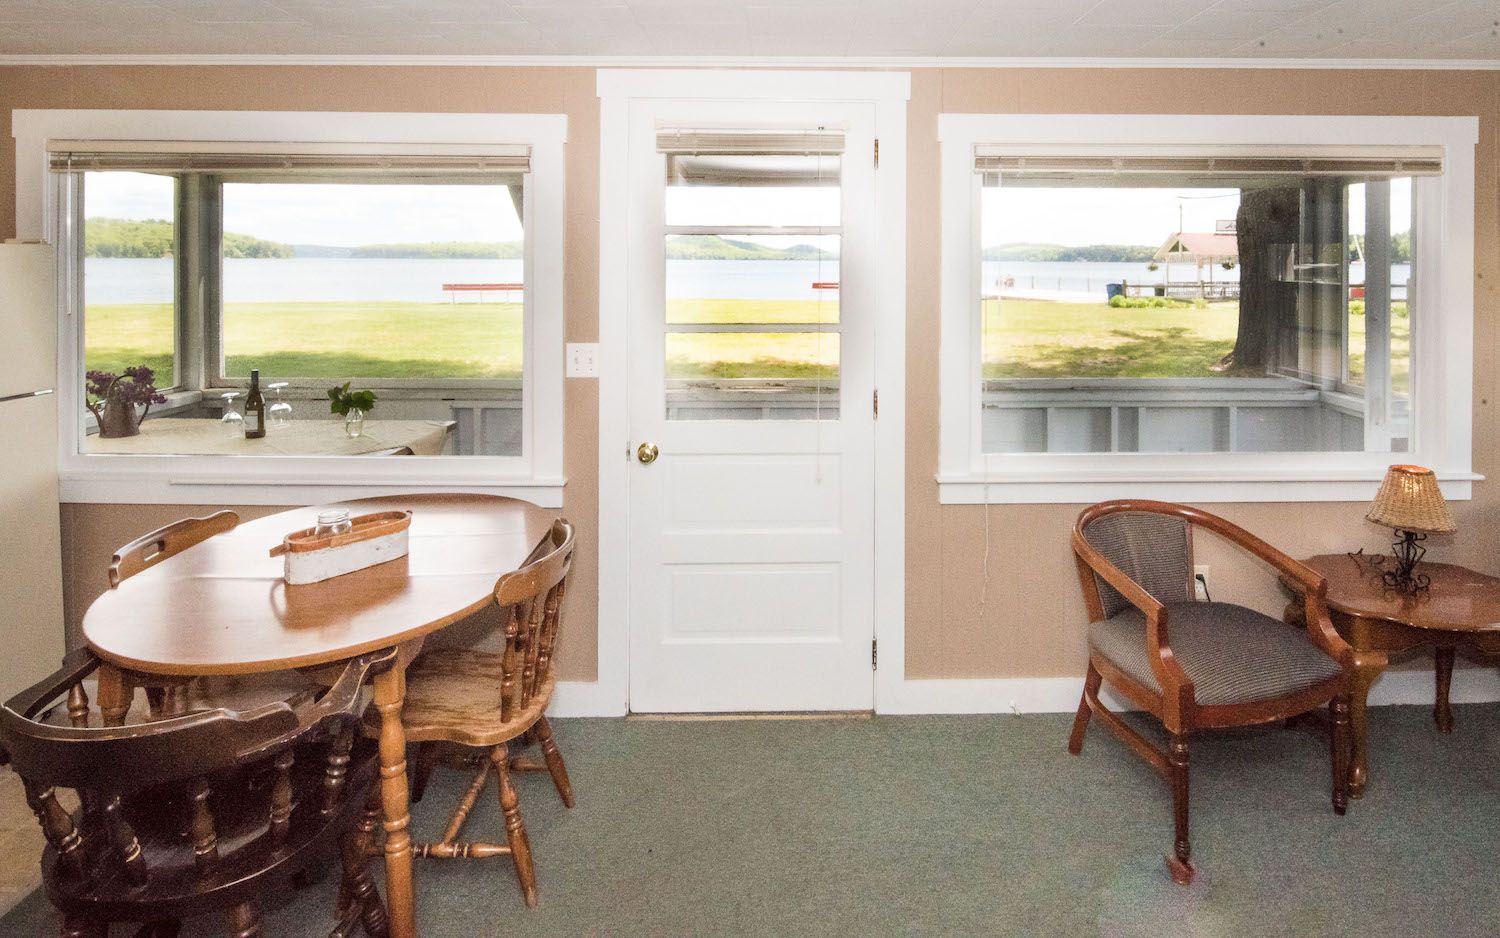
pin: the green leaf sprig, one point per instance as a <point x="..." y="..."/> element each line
<point x="342" y="400"/>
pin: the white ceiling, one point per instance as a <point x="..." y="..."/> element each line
<point x="817" y="29"/>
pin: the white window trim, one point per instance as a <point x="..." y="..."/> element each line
<point x="1442" y="363"/>
<point x="537" y="475"/>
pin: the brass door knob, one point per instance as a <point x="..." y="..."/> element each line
<point x="647" y="453"/>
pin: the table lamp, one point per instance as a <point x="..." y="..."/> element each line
<point x="1410" y="503"/>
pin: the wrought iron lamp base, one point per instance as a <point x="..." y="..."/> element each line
<point x="1409" y="552"/>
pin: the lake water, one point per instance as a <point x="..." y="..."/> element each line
<point x="149" y="280"/>
<point x="1085" y="280"/>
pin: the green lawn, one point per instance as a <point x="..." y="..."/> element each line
<point x="451" y="340"/>
<point x="353" y="340"/>
<point x="1022" y="339"/>
<point x="1043" y="339"/>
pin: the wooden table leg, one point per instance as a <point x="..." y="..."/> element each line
<point x="1368" y="666"/>
<point x="390" y="692"/>
<point x="1442" y="711"/>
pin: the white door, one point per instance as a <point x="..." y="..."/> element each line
<point x="751" y="384"/>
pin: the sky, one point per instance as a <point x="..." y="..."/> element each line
<point x="1081" y="216"/>
<point x="348" y="215"/>
<point x="338" y="215"/>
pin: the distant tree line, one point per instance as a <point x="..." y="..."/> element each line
<point x="715" y="248"/>
<point x="1137" y="253"/>
<point x="1091" y="253"/>
<point x="120" y="237"/>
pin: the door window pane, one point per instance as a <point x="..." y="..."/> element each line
<point x="764" y="280"/>
<point x="129" y="273"/>
<point x="752" y="240"/>
<point x="752" y="375"/>
<point x="766" y="190"/>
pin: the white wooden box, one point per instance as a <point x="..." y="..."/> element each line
<point x="375" y="539"/>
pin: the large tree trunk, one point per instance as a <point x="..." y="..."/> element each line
<point x="1267" y="219"/>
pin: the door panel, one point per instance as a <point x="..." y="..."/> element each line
<point x="751" y="563"/>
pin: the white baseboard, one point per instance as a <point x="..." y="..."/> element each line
<point x="1470" y="685"/>
<point x="586" y="699"/>
<point x="1060" y="694"/>
<point x="1040" y="695"/>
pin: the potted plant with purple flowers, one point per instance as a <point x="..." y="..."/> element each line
<point x="112" y="399"/>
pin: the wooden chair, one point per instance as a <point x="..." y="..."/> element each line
<point x="167" y="696"/>
<point x="196" y="813"/>
<point x="1218" y="665"/>
<point x="484" y="700"/>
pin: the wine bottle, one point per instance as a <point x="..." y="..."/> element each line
<point x="255" y="409"/>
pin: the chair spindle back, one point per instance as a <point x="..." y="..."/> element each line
<point x="531" y="599"/>
<point x="148" y="550"/>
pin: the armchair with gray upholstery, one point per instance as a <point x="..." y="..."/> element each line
<point x="1198" y="665"/>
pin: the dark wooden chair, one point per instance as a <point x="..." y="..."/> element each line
<point x="197" y="813"/>
<point x="169" y="696"/>
<point x="482" y="700"/>
<point x="1198" y="665"/>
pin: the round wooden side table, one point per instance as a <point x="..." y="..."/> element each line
<point x="1459" y="611"/>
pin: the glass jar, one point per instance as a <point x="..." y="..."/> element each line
<point x="333" y="521"/>
<point x="354" y="423"/>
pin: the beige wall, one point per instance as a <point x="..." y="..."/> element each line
<point x="1027" y="620"/>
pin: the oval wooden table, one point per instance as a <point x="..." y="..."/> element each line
<point x="222" y="608"/>
<point x="1459" y="610"/>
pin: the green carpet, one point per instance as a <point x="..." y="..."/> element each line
<point x="965" y="825"/>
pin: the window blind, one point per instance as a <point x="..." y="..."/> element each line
<point x="1383" y="166"/>
<point x="265" y="158"/>
<point x="751" y="157"/>
<point x="749" y="142"/>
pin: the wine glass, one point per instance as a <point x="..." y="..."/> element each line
<point x="232" y="421"/>
<point x="280" y="411"/>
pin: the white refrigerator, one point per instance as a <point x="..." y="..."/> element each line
<point x="31" y="605"/>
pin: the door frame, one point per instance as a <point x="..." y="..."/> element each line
<point x="617" y="88"/>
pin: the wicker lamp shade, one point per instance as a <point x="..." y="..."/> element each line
<point x="1410" y="500"/>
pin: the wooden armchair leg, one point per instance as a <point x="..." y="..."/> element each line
<point x="515" y="827"/>
<point x="245" y="920"/>
<point x="425" y="762"/>
<point x="543" y="733"/>
<point x="81" y="926"/>
<point x="1085" y="708"/>
<point x="1180" y="863"/>
<point x="1338" y="744"/>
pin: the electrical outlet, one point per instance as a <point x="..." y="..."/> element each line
<point x="1200" y="581"/>
<point x="583" y="360"/>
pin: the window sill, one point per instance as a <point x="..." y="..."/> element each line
<point x="175" y="480"/>
<point x="1202" y="486"/>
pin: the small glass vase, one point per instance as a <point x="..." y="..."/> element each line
<point x="354" y="423"/>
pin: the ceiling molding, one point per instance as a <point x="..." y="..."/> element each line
<point x="589" y="61"/>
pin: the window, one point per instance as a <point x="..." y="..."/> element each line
<point x="1140" y="307"/>
<point x="403" y="275"/>
<point x="752" y="275"/>
<point x="418" y="256"/>
<point x="130" y="274"/>
<point x="1195" y="305"/>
